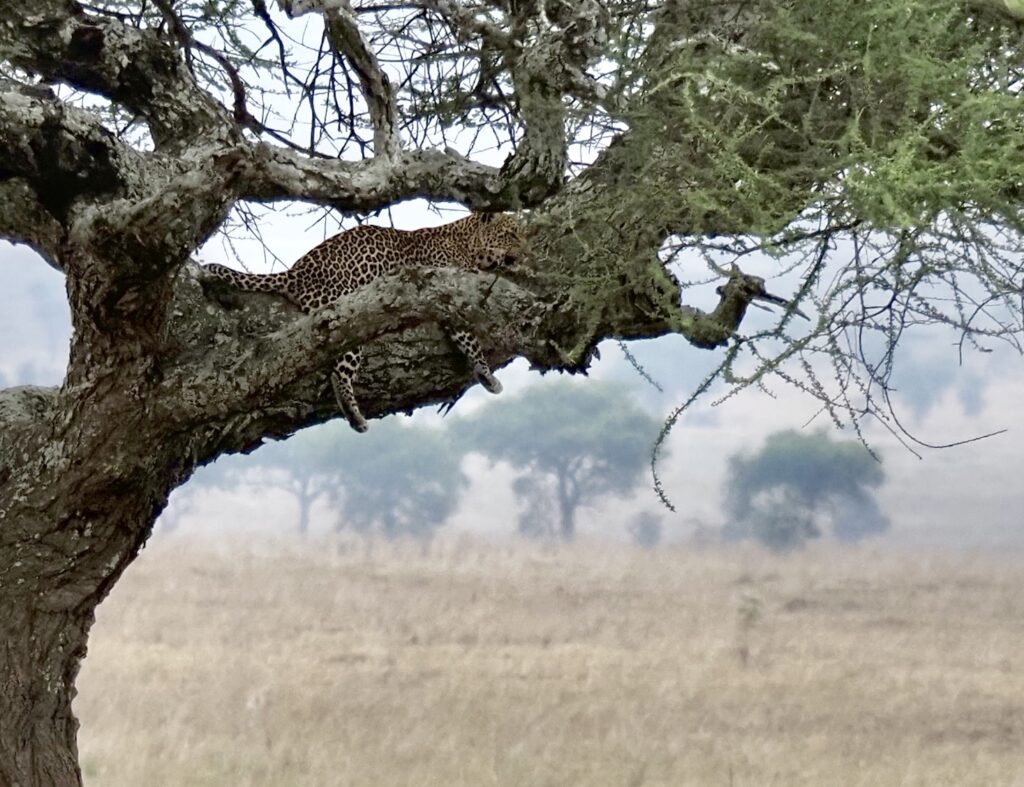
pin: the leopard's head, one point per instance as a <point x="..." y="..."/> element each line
<point x="497" y="240"/>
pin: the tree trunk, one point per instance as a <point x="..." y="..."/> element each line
<point x="40" y="652"/>
<point x="82" y="478"/>
<point x="567" y="503"/>
<point x="305" y="498"/>
<point x="55" y="568"/>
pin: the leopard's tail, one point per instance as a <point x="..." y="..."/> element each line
<point x="254" y="282"/>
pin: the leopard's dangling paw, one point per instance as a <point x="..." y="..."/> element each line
<point x="488" y="380"/>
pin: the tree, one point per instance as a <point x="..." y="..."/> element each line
<point x="574" y="444"/>
<point x="646" y="529"/>
<point x="875" y="148"/>
<point x="780" y="495"/>
<point x="306" y="466"/>
<point x="398" y="480"/>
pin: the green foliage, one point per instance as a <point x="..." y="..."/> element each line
<point x="779" y="495"/>
<point x="908" y="110"/>
<point x="874" y="148"/>
<point x="574" y="443"/>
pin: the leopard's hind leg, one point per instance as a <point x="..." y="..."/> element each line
<point x="470" y="347"/>
<point x="342" y="376"/>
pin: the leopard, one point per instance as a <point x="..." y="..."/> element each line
<point x="354" y="258"/>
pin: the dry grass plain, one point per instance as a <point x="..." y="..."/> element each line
<point x="362" y="663"/>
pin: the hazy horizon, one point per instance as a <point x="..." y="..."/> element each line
<point x="969" y="495"/>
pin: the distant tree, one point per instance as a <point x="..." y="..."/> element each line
<point x="781" y="495"/>
<point x="399" y="480"/>
<point x="308" y="466"/>
<point x="574" y="445"/>
<point x="646" y="529"/>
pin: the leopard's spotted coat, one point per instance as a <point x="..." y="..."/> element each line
<point x="356" y="257"/>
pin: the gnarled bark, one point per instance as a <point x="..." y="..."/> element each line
<point x="39" y="658"/>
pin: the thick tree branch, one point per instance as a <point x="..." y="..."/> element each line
<point x="101" y="190"/>
<point x="133" y="67"/>
<point x="63" y="154"/>
<point x="24" y="220"/>
<point x="267" y="368"/>
<point x="554" y="46"/>
<point x="365" y="186"/>
<point x="157" y="229"/>
<point x="279" y="361"/>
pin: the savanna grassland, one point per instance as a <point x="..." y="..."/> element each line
<point x="471" y="663"/>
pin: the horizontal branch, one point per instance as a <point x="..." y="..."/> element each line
<point x="262" y="368"/>
<point x="365" y="186"/>
<point x="291" y="347"/>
